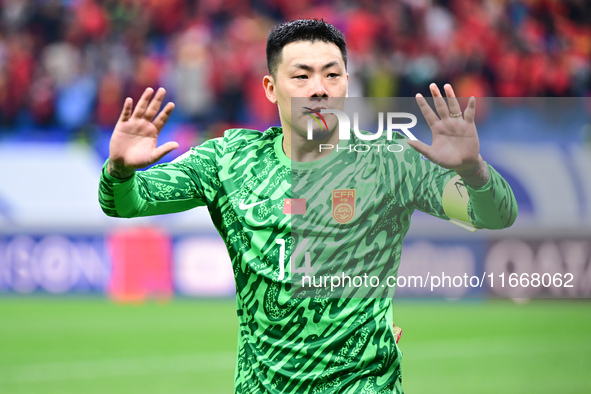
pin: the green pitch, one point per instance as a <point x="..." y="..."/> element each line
<point x="89" y="345"/>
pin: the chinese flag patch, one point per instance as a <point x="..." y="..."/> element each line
<point x="294" y="206"/>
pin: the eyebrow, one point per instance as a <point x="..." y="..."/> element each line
<point x="309" y="68"/>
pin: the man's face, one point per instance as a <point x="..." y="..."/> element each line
<point x="315" y="70"/>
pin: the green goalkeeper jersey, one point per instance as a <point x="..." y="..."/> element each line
<point x="281" y="221"/>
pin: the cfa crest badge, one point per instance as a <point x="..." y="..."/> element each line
<point x="343" y="205"/>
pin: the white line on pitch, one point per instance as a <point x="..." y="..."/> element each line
<point x="90" y="369"/>
<point x="485" y="347"/>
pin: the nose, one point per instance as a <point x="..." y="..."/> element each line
<point x="317" y="88"/>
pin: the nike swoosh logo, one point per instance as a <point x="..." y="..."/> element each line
<point x="242" y="205"/>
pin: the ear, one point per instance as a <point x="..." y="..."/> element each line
<point x="269" y="86"/>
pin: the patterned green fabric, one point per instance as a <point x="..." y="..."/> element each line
<point x="288" y="344"/>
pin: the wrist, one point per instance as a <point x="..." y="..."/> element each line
<point x="119" y="171"/>
<point x="473" y="170"/>
<point x="476" y="176"/>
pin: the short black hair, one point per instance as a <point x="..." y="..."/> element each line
<point x="301" y="30"/>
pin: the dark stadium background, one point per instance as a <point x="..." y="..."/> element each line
<point x="65" y="69"/>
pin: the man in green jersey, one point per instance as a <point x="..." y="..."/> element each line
<point x="247" y="180"/>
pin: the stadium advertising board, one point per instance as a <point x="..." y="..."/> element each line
<point x="450" y="269"/>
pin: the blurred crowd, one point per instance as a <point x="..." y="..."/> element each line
<point x="69" y="64"/>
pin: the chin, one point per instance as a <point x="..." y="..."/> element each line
<point x="320" y="135"/>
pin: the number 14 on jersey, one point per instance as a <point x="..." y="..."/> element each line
<point x="305" y="270"/>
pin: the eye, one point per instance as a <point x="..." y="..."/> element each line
<point x="333" y="75"/>
<point x="301" y="77"/>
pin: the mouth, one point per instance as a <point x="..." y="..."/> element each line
<point x="318" y="117"/>
<point x="315" y="110"/>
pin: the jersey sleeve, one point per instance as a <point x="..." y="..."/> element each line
<point x="189" y="181"/>
<point x="491" y="206"/>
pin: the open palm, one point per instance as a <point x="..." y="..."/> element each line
<point x="134" y="141"/>
<point x="455" y="141"/>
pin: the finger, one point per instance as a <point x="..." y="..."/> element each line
<point x="154" y="105"/>
<point x="420" y="147"/>
<point x="162" y="118"/>
<point x="126" y="111"/>
<point x="440" y="104"/>
<point x="142" y="104"/>
<point x="452" y="101"/>
<point x="470" y="112"/>
<point x="428" y="113"/>
<point x="164" y="149"/>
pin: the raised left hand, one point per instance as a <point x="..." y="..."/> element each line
<point x="455" y="141"/>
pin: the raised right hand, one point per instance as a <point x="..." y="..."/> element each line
<point x="134" y="140"/>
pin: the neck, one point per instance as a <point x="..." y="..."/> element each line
<point x="300" y="149"/>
